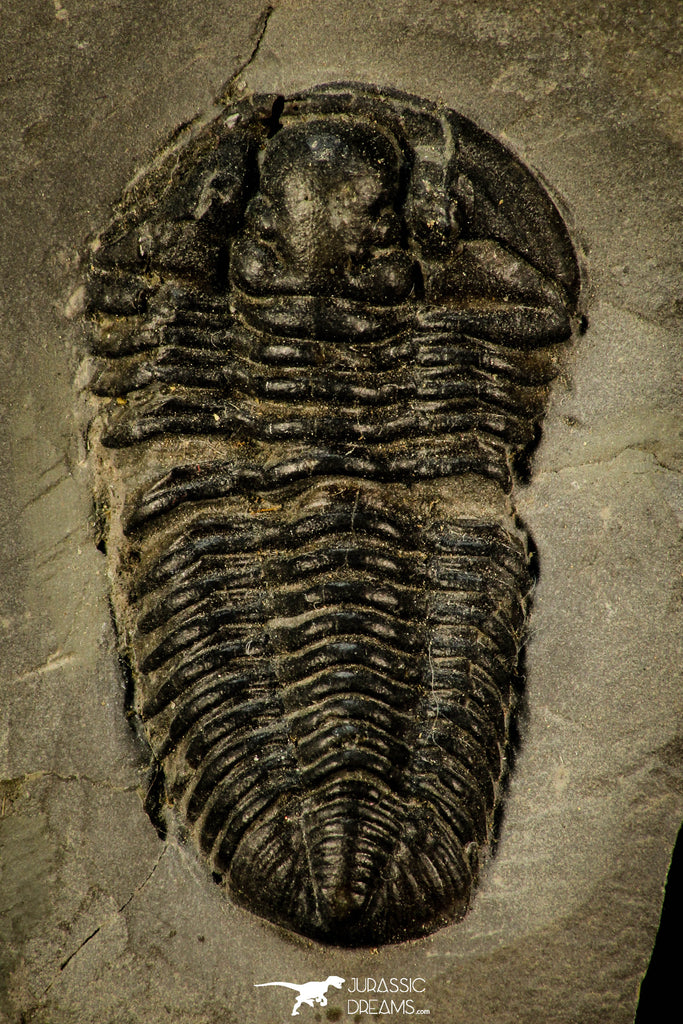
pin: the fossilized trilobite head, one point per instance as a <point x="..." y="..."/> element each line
<point x="321" y="334"/>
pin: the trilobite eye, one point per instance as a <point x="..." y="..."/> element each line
<point x="386" y="228"/>
<point x="260" y="217"/>
<point x="306" y="399"/>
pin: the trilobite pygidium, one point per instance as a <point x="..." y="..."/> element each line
<point x="322" y="332"/>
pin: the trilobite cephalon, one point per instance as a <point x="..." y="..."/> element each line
<point x="322" y="331"/>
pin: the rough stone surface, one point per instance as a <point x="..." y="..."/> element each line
<point x="99" y="920"/>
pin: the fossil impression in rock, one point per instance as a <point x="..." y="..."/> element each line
<point x="321" y="334"/>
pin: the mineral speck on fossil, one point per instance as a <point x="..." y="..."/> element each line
<point x="321" y="335"/>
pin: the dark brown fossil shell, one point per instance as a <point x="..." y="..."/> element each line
<point x="322" y="331"/>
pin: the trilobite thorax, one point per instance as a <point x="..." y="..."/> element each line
<point x="322" y="332"/>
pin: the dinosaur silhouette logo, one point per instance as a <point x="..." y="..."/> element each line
<point x="311" y="993"/>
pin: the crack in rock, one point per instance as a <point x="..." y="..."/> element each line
<point x="32" y="777"/>
<point x="261" y="26"/>
<point x="136" y="891"/>
<point x="605" y="460"/>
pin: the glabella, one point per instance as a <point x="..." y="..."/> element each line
<point x="386" y="985"/>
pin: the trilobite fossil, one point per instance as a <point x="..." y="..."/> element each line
<point x="321" y="335"/>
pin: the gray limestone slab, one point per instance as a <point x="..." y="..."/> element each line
<point x="100" y="920"/>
